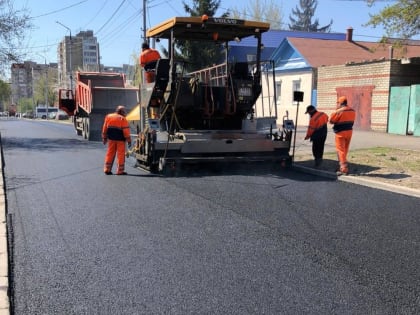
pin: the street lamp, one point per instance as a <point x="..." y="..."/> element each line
<point x="46" y="85"/>
<point x="71" y="70"/>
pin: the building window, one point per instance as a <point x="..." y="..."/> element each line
<point x="278" y="92"/>
<point x="295" y="87"/>
<point x="251" y="58"/>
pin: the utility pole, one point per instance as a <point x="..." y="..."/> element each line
<point x="46" y="89"/>
<point x="71" y="52"/>
<point x="144" y="21"/>
<point x="45" y="85"/>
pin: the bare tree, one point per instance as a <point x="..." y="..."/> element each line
<point x="261" y="10"/>
<point x="13" y="24"/>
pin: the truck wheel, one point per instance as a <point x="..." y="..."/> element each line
<point x="84" y="128"/>
<point x="87" y="128"/>
<point x="78" y="131"/>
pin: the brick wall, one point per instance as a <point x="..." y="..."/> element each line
<point x="357" y="76"/>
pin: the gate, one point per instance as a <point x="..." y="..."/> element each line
<point x="360" y="99"/>
<point x="404" y="110"/>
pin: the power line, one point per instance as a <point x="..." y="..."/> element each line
<point x="113" y="14"/>
<point x="59" y="10"/>
<point x="97" y="13"/>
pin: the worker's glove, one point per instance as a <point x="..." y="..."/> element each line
<point x="306" y="138"/>
<point x="104" y="141"/>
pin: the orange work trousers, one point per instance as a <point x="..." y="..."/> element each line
<point x="342" y="145"/>
<point x="115" y="148"/>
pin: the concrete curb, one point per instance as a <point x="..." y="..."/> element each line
<point x="4" y="257"/>
<point x="354" y="179"/>
<point x="379" y="185"/>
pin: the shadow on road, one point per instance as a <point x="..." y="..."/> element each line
<point x="238" y="169"/>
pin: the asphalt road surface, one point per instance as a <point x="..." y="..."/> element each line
<point x="228" y="240"/>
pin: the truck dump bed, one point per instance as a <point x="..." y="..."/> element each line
<point x="104" y="101"/>
<point x="96" y="95"/>
<point x="88" y="81"/>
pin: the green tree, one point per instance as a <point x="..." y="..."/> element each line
<point x="45" y="89"/>
<point x="136" y="76"/>
<point x="201" y="54"/>
<point x="261" y="10"/>
<point x="401" y="19"/>
<point x="303" y="18"/>
<point x="13" y="24"/>
<point x="25" y="105"/>
<point x="5" y="93"/>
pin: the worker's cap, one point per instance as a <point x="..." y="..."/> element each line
<point x="144" y="45"/>
<point x="341" y="100"/>
<point x="309" y="109"/>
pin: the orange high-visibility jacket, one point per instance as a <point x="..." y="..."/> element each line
<point x="149" y="55"/>
<point x="317" y="125"/>
<point x="116" y="127"/>
<point x="343" y="119"/>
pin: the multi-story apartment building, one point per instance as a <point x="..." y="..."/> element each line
<point x="80" y="52"/>
<point x="26" y="76"/>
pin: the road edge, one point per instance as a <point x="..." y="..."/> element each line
<point x="4" y="256"/>
<point x="360" y="181"/>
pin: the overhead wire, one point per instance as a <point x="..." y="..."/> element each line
<point x="112" y="34"/>
<point x="111" y="17"/>
<point x="97" y="13"/>
<point x="58" y="10"/>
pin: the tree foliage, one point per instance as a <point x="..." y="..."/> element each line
<point x="25" y="105"/>
<point x="303" y="18"/>
<point x="261" y="10"/>
<point x="401" y="19"/>
<point x="201" y="54"/>
<point x="136" y="76"/>
<point x="44" y="89"/>
<point x="5" y="93"/>
<point x="13" y="24"/>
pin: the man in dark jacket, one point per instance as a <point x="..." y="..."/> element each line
<point x="317" y="132"/>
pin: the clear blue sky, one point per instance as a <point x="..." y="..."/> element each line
<point x="118" y="23"/>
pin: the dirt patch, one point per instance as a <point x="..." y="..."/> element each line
<point x="383" y="164"/>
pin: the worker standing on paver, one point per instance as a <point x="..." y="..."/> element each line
<point x="115" y="132"/>
<point x="148" y="59"/>
<point x="317" y="132"/>
<point x="343" y="120"/>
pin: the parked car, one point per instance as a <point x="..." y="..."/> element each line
<point x="59" y="115"/>
<point x="29" y="115"/>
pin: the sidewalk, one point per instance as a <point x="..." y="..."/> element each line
<point x="360" y="140"/>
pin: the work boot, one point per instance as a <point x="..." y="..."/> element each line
<point x="342" y="172"/>
<point x="108" y="173"/>
<point x="123" y="173"/>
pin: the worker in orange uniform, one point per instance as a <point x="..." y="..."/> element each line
<point x="343" y="119"/>
<point x="148" y="59"/>
<point x="317" y="132"/>
<point x="115" y="132"/>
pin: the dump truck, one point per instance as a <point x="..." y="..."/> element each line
<point x="96" y="95"/>
<point x="208" y="115"/>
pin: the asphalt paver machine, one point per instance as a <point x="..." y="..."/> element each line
<point x="208" y="115"/>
